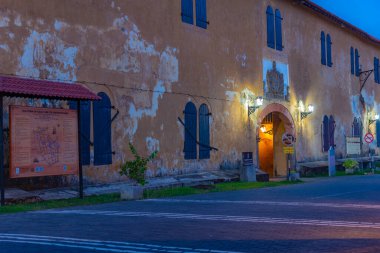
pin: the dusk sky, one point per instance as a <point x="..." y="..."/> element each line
<point x="363" y="14"/>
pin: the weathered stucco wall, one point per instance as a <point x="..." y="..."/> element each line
<point x="151" y="64"/>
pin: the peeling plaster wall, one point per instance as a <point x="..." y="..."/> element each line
<point x="333" y="91"/>
<point x="152" y="65"/>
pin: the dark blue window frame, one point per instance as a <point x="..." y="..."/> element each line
<point x="331" y="131"/>
<point x="325" y="134"/>
<point x="378" y="133"/>
<point x="204" y="132"/>
<point x="357" y="62"/>
<point x="376" y="70"/>
<point x="323" y="48"/>
<point x="357" y="128"/>
<point x="85" y="129"/>
<point x="328" y="133"/>
<point x="102" y="130"/>
<point x="329" y="52"/>
<point x="201" y="9"/>
<point x="190" y="145"/>
<point x="278" y="27"/>
<point x="352" y="61"/>
<point x="187" y="13"/>
<point x="270" y="27"/>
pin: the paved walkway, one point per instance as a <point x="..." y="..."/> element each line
<point x="14" y="195"/>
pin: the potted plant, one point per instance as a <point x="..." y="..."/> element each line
<point x="135" y="170"/>
<point x="350" y="165"/>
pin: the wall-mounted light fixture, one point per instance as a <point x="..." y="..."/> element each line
<point x="257" y="103"/>
<point x="310" y="110"/>
<point x="374" y="119"/>
<point x="263" y="129"/>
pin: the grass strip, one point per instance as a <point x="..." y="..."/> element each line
<point x="221" y="187"/>
<point x="341" y="173"/>
<point x="49" y="204"/>
<point x="155" y="193"/>
<point x="356" y="173"/>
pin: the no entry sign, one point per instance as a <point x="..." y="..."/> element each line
<point x="369" y="138"/>
<point x="288" y="139"/>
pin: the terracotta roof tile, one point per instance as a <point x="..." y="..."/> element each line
<point x="16" y="86"/>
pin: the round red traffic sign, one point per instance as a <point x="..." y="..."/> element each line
<point x="288" y="139"/>
<point x="369" y="138"/>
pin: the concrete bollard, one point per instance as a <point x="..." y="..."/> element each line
<point x="248" y="170"/>
<point x="332" y="169"/>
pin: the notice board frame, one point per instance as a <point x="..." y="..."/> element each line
<point x="2" y="171"/>
<point x="13" y="86"/>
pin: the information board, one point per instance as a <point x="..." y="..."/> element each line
<point x="43" y="142"/>
<point x="353" y="145"/>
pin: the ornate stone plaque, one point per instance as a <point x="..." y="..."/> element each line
<point x="276" y="81"/>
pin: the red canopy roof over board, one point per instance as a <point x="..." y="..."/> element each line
<point x="34" y="88"/>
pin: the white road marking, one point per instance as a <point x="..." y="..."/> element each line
<point x="109" y="246"/>
<point x="339" y="194"/>
<point x="276" y="203"/>
<point x="311" y="222"/>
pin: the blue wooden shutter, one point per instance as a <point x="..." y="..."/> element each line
<point x="356" y="128"/>
<point x="201" y="13"/>
<point x="325" y="132"/>
<point x="323" y="48"/>
<point x="85" y="118"/>
<point x="378" y="132"/>
<point x="331" y="131"/>
<point x="270" y="27"/>
<point x="328" y="42"/>
<point x="352" y="61"/>
<point x="376" y="70"/>
<point x="190" y="147"/>
<point x="102" y="130"/>
<point x="278" y="30"/>
<point x="204" y="132"/>
<point x="357" y="62"/>
<point x="187" y="11"/>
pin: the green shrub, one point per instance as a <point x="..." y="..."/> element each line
<point x="350" y="164"/>
<point x="135" y="169"/>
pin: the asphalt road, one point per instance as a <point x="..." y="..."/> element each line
<point x="331" y="215"/>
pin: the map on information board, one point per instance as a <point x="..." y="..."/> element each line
<point x="48" y="145"/>
<point x="44" y="142"/>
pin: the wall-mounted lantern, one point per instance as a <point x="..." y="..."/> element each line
<point x="374" y="119"/>
<point x="310" y="110"/>
<point x="257" y="103"/>
<point x="263" y="129"/>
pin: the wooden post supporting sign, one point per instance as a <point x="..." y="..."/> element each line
<point x="2" y="173"/>
<point x="79" y="152"/>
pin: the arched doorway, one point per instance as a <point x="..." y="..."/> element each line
<point x="274" y="121"/>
